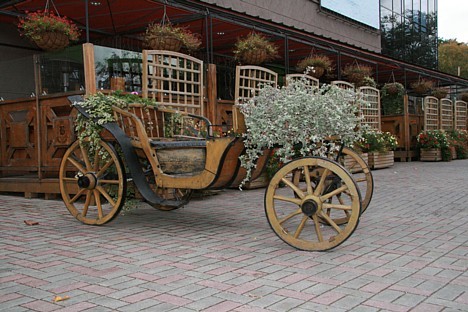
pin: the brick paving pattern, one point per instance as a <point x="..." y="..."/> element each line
<point x="409" y="253"/>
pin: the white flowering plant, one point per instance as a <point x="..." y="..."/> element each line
<point x="298" y="121"/>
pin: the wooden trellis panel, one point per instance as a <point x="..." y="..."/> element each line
<point x="174" y="80"/>
<point x="311" y="81"/>
<point x="371" y="113"/>
<point x="343" y="84"/>
<point x="250" y="80"/>
<point x="460" y="109"/>
<point x="431" y="113"/>
<point x="446" y="114"/>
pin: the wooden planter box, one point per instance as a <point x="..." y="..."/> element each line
<point x="453" y="152"/>
<point x="381" y="160"/>
<point x="430" y="154"/>
<point x="351" y="165"/>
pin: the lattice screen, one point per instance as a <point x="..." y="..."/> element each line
<point x="249" y="80"/>
<point x="174" y="80"/>
<point x="311" y="81"/>
<point x="371" y="113"/>
<point x="460" y="115"/>
<point x="446" y="114"/>
<point x="343" y="84"/>
<point x="431" y="113"/>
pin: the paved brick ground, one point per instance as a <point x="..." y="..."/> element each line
<point x="409" y="253"/>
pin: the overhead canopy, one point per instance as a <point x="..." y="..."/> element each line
<point x="121" y="23"/>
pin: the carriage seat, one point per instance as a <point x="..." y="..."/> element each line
<point x="158" y="144"/>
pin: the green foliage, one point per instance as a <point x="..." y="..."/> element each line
<point x="99" y="108"/>
<point x="432" y="139"/>
<point x="298" y="120"/>
<point x="377" y="141"/>
<point x="453" y="54"/>
<point x="36" y="23"/>
<point x="392" y="98"/>
<point x="459" y="140"/>
<point x="356" y="72"/>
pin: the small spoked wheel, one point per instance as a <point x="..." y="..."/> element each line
<point x="299" y="205"/>
<point x="92" y="183"/>
<point x="172" y="194"/>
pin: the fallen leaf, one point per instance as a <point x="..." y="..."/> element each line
<point x="58" y="298"/>
<point x="29" y="222"/>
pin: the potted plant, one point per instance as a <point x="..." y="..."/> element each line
<point x="422" y="86"/>
<point x="464" y="97"/>
<point x="439" y="93"/>
<point x="379" y="146"/>
<point x="356" y="72"/>
<point x="298" y="121"/>
<point x="458" y="141"/>
<point x="367" y="81"/>
<point x="255" y="49"/>
<point x="434" y="145"/>
<point x="392" y="98"/>
<point x="315" y="65"/>
<point x="49" y="31"/>
<point x="165" y="36"/>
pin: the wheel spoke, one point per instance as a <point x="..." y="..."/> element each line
<point x="293" y="200"/>
<point x="85" y="158"/>
<point x="96" y="157"/>
<point x="318" y="231"/>
<point x="104" y="168"/>
<point x="89" y="197"/>
<point x="293" y="187"/>
<point x="336" y="206"/>
<point x="109" y="181"/>
<point x="300" y="227"/>
<point x="77" y="165"/>
<point x="295" y="213"/>
<point x="77" y="196"/>
<point x="331" y="222"/>
<point x="106" y="195"/>
<point x="321" y="184"/>
<point x="69" y="179"/>
<point x="98" y="203"/>
<point x="333" y="193"/>
<point x="307" y="179"/>
<point x="360" y="180"/>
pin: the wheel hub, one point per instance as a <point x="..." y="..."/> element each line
<point x="309" y="207"/>
<point x="87" y="181"/>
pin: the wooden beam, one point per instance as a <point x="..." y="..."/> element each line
<point x="212" y="94"/>
<point x="89" y="68"/>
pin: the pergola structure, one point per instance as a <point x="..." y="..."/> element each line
<point x="121" y="24"/>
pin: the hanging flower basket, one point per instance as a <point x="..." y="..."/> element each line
<point x="422" y="86"/>
<point x="393" y="88"/>
<point x="439" y="93"/>
<point x="315" y="65"/>
<point x="165" y="42"/>
<point x="165" y="36"/>
<point x="255" y="49"/>
<point x="49" y="31"/>
<point x="52" y="41"/>
<point x="356" y="72"/>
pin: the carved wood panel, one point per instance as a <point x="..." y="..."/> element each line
<point x="18" y="146"/>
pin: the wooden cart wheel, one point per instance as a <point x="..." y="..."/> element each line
<point x="361" y="174"/>
<point x="295" y="210"/>
<point x="172" y="194"/>
<point x="93" y="185"/>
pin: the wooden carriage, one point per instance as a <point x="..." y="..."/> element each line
<point x="311" y="203"/>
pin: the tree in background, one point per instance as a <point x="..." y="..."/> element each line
<point x="412" y="38"/>
<point x="453" y="54"/>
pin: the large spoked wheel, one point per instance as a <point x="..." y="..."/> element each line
<point x="361" y="173"/>
<point x="300" y="210"/>
<point x="93" y="185"/>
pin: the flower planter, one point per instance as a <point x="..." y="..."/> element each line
<point x="352" y="166"/>
<point x="430" y="154"/>
<point x="52" y="41"/>
<point x="165" y="42"/>
<point x="254" y="57"/>
<point x="453" y="152"/>
<point x="381" y="160"/>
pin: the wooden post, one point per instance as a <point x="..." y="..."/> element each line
<point x="39" y="133"/>
<point x="406" y="130"/>
<point x="212" y="95"/>
<point x="89" y="68"/>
